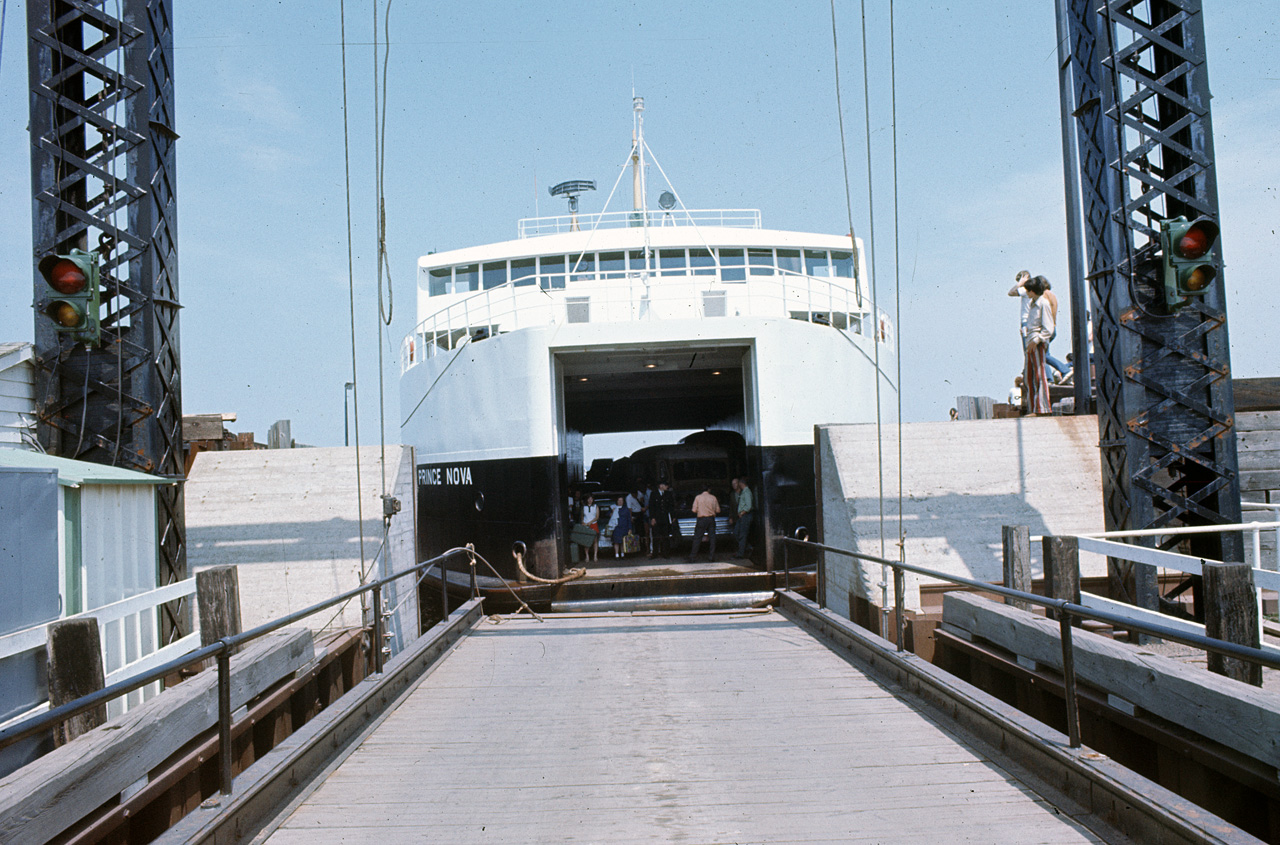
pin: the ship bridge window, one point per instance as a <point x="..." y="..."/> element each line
<point x="673" y="262"/>
<point x="638" y="262"/>
<point x="551" y="272"/>
<point x="583" y="267"/>
<point x="495" y="274"/>
<point x="702" y="262"/>
<point x="789" y="259"/>
<point x="613" y="265"/>
<point x="731" y="266"/>
<point x="843" y="263"/>
<point x="815" y="262"/>
<point x="761" y="261"/>
<point x="439" y="281"/>
<point x="466" y="277"/>
<point x="522" y="272"/>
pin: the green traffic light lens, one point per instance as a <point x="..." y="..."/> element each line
<point x="67" y="278"/>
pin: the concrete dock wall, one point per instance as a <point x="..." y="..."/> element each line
<point x="290" y="520"/>
<point x="961" y="482"/>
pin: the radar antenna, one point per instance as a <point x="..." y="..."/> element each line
<point x="571" y="189"/>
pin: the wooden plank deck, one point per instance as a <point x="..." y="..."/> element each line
<point x="677" y="728"/>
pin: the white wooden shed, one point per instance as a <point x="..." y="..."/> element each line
<point x="75" y="537"/>
<point x="17" y="396"/>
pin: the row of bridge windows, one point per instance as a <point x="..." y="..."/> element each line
<point x="552" y="271"/>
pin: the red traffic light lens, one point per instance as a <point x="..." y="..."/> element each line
<point x="67" y="278"/>
<point x="1199" y="278"/>
<point x="64" y="314"/>
<point x="1195" y="242"/>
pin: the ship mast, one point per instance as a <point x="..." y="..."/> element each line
<point x="640" y="203"/>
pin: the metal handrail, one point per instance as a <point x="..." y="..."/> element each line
<point x="1065" y="610"/>
<point x="221" y="651"/>
<point x="736" y="218"/>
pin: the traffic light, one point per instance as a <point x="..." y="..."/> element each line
<point x="1190" y="258"/>
<point x="71" y="299"/>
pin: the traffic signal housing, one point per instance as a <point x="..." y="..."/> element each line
<point x="1190" y="258"/>
<point x="71" y="298"/>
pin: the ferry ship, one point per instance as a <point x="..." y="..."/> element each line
<point x="635" y="320"/>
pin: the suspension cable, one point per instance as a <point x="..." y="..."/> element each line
<point x="351" y="279"/>
<point x="871" y="252"/>
<point x="897" y="266"/>
<point x="844" y="156"/>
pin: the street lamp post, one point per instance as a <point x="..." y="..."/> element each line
<point x="346" y="422"/>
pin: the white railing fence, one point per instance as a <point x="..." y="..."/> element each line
<point x="1104" y="543"/>
<point x="129" y="632"/>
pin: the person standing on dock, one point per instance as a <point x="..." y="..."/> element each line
<point x="1024" y="303"/>
<point x="1019" y="289"/>
<point x="662" y="512"/>
<point x="744" y="507"/>
<point x="1040" y="328"/>
<point x="705" y="508"/>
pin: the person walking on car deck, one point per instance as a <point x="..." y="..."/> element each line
<point x="705" y="509"/>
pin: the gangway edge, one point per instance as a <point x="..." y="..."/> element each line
<point x="1116" y="803"/>
<point x="268" y="790"/>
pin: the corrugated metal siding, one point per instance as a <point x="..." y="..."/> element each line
<point x="17" y="404"/>
<point x="118" y="542"/>
<point x="119" y="560"/>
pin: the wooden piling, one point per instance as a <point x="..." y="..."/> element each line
<point x="1017" y="562"/>
<point x="1231" y="614"/>
<point x="75" y="670"/>
<point x="218" y="598"/>
<point x="1062" y="570"/>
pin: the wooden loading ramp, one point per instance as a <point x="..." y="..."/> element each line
<point x="786" y="725"/>
<point x="711" y="728"/>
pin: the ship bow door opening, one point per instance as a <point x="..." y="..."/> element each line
<point x="648" y="414"/>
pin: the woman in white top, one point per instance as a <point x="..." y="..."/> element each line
<point x="591" y="518"/>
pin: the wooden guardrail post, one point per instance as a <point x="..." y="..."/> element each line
<point x="75" y="670"/>
<point x="1062" y="570"/>
<point x="1017" y="562"/>
<point x="218" y="598"/>
<point x="1231" y="614"/>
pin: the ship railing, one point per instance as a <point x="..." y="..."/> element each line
<point x="1066" y="613"/>
<point x="645" y="296"/>
<point x="729" y="218"/>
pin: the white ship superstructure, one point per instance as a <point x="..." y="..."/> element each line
<point x="632" y="320"/>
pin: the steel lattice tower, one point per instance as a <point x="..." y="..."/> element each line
<point x="1138" y="90"/>
<point x="103" y="178"/>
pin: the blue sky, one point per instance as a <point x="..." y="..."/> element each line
<point x="487" y="99"/>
